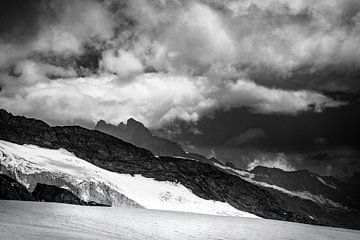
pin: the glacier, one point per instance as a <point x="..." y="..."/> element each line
<point x="30" y="164"/>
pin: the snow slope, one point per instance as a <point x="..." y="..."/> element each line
<point x="30" y="164"/>
<point x="36" y="220"/>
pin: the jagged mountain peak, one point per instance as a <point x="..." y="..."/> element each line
<point x="101" y="122"/>
<point x="136" y="133"/>
<point x="130" y="125"/>
<point x="133" y="122"/>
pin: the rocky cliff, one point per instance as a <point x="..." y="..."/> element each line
<point x="48" y="193"/>
<point x="12" y="190"/>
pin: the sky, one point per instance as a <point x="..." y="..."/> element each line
<point x="252" y="82"/>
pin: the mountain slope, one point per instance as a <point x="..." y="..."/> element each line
<point x="34" y="167"/>
<point x="354" y="179"/>
<point x="113" y="154"/>
<point x="319" y="205"/>
<point x="206" y="181"/>
<point x="305" y="181"/>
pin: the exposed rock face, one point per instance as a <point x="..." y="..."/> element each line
<point x="305" y="181"/>
<point x="12" y="190"/>
<point x="49" y="193"/>
<point x="204" y="180"/>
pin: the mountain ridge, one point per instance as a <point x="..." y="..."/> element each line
<point x="204" y="180"/>
<point x="116" y="155"/>
<point x="136" y="133"/>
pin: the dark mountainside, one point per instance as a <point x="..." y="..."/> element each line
<point x="203" y="179"/>
<point x="136" y="133"/>
<point x="10" y="189"/>
<point x="303" y="180"/>
<point x="354" y="179"/>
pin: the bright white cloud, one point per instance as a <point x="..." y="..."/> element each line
<point x="121" y="62"/>
<point x="272" y="161"/>
<point x="278" y="34"/>
<point x="244" y="93"/>
<point x="76" y="23"/>
<point x="153" y="98"/>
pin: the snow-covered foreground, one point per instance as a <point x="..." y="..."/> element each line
<point x="30" y="164"/>
<point x="36" y="220"/>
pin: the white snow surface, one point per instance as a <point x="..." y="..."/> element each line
<point x="56" y="221"/>
<point x="64" y="169"/>
<point x="303" y="194"/>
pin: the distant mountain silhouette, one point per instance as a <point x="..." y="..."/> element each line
<point x="306" y="181"/>
<point x="136" y="133"/>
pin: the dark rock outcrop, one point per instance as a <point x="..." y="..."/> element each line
<point x="12" y="190"/>
<point x="49" y="193"/>
<point x="202" y="179"/>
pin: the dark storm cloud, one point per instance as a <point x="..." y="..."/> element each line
<point x="251" y="135"/>
<point x="19" y="20"/>
<point x="269" y="72"/>
<point x="204" y="56"/>
<point x="50" y="27"/>
<point x="286" y="133"/>
<point x="322" y="142"/>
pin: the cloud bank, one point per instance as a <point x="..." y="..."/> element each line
<point x="279" y="161"/>
<point x="159" y="61"/>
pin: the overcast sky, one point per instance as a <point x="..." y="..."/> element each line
<point x="282" y="72"/>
